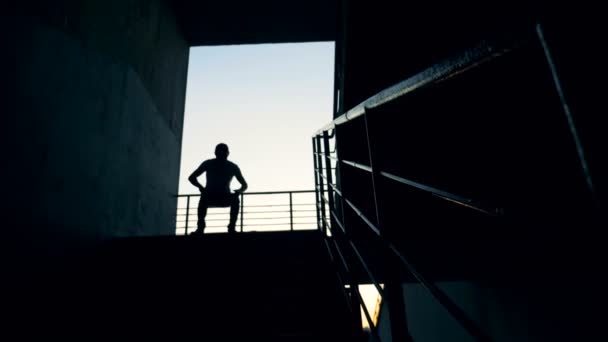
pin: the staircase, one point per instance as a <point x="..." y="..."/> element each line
<point x="278" y="285"/>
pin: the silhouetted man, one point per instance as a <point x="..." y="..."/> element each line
<point x="217" y="193"/>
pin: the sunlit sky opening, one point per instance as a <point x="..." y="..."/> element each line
<point x="265" y="102"/>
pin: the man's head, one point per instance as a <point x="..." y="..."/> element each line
<point x="221" y="151"/>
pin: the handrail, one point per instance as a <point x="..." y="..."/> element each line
<point x="340" y="280"/>
<point x="185" y="216"/>
<point x="259" y="193"/>
<point x="442" y="298"/>
<point x="484" y="52"/>
<point x="344" y="264"/>
<point x="365" y="219"/>
<point x="467" y="202"/>
<point x="472" y="58"/>
<point x="358" y="165"/>
<point x="368" y="317"/>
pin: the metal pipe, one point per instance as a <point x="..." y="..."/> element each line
<point x="321" y="185"/>
<point x="260" y="193"/>
<point x="366" y="268"/>
<point x="471" y="58"/>
<point x="467" y="202"/>
<point x="291" y="211"/>
<point x="445" y="301"/>
<point x="365" y="219"/>
<point x="317" y="187"/>
<point x="358" y="165"/>
<point x="242" y="209"/>
<point x="187" y="213"/>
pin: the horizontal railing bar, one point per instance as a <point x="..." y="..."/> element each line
<point x="279" y="211"/>
<point x="277" y="205"/>
<point x="337" y="221"/>
<point x="335" y="188"/>
<point x="358" y="166"/>
<point x="277" y="224"/>
<point x="467" y="202"/>
<point x="360" y="214"/>
<point x="279" y="218"/>
<point x="194" y="206"/>
<point x="327" y="222"/>
<point x="287" y="225"/>
<point x="322" y="154"/>
<point x="342" y="258"/>
<point x="444" y="300"/>
<point x="366" y="268"/>
<point x="284" y="218"/>
<point x="340" y="280"/>
<point x="321" y="174"/>
<point x="368" y="317"/>
<point x="280" y="192"/>
<point x="435" y="74"/>
<point x="259" y="206"/>
<point x="341" y="283"/>
<point x="259" y="193"/>
<point x="325" y="199"/>
<point x="255" y="212"/>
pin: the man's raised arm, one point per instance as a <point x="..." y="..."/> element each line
<point x="241" y="180"/>
<point x="193" y="177"/>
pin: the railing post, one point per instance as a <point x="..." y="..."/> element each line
<point x="321" y="190"/>
<point x="187" y="213"/>
<point x="394" y="296"/>
<point x="316" y="168"/>
<point x="356" y="304"/>
<point x="242" y="209"/>
<point x="375" y="166"/>
<point x="329" y="177"/>
<point x="291" y="210"/>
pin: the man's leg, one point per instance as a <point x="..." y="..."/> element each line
<point x="203" y="204"/>
<point x="234" y="212"/>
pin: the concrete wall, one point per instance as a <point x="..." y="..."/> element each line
<point x="96" y="132"/>
<point x="525" y="311"/>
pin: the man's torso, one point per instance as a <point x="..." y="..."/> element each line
<point x="219" y="175"/>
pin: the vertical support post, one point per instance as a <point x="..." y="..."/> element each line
<point x="356" y="304"/>
<point x="242" y="209"/>
<point x="569" y="117"/>
<point x="396" y="312"/>
<point x="317" y="201"/>
<point x="329" y="177"/>
<point x="338" y="182"/>
<point x="375" y="170"/>
<point x="394" y="294"/>
<point x="321" y="185"/>
<point x="187" y="213"/>
<point x="291" y="210"/>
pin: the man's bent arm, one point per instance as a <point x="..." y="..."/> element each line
<point x="193" y="177"/>
<point x="241" y="180"/>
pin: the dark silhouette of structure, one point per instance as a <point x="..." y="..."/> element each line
<point x="467" y="147"/>
<point x="220" y="172"/>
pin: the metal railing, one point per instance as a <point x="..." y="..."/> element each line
<point x="259" y="211"/>
<point x="332" y="202"/>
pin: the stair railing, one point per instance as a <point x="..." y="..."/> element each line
<point x="331" y="202"/>
<point x="266" y="212"/>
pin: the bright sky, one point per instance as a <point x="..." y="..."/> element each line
<point x="265" y="102"/>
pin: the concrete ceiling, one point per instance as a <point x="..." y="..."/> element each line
<point x="225" y="22"/>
